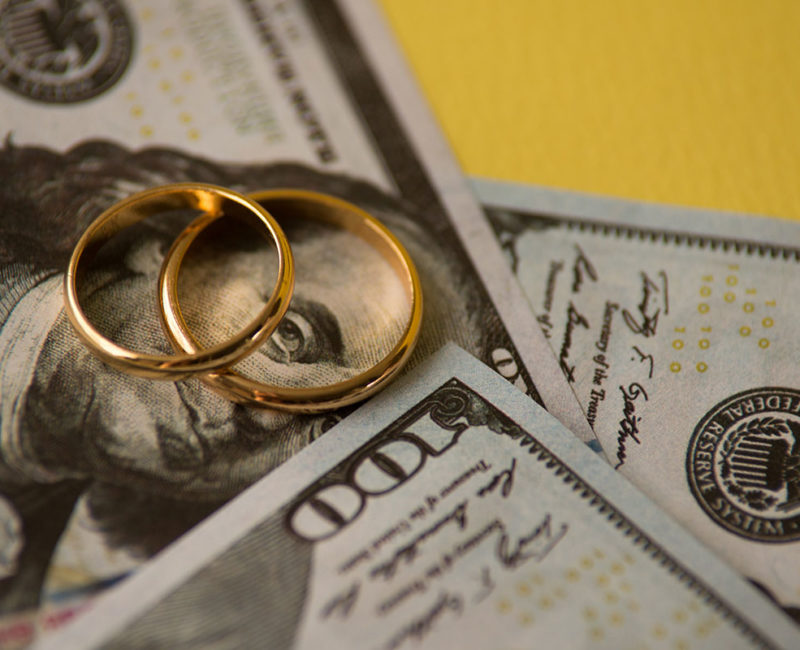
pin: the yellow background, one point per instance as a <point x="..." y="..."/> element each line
<point x="689" y="102"/>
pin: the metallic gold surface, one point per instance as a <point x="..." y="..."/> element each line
<point x="302" y="204"/>
<point x="215" y="202"/>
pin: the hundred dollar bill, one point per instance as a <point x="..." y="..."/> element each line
<point x="101" y="98"/>
<point x="449" y="512"/>
<point x="676" y="329"/>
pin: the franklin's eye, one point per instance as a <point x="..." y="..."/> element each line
<point x="308" y="333"/>
<point x="295" y="339"/>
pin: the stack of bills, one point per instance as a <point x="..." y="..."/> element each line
<point x="596" y="442"/>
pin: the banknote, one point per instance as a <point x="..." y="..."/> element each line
<point x="675" y="328"/>
<point x="448" y="512"/>
<point x="101" y="98"/>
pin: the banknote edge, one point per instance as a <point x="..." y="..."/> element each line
<point x="400" y="87"/>
<point x="703" y="228"/>
<point x="664" y="540"/>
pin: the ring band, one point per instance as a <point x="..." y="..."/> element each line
<point x="286" y="203"/>
<point x="214" y="202"/>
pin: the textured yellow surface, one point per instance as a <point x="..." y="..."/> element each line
<point x="691" y="102"/>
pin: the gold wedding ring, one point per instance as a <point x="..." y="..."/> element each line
<point x="214" y="202"/>
<point x="299" y="204"/>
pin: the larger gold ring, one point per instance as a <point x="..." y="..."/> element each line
<point x="286" y="204"/>
<point x="214" y="202"/>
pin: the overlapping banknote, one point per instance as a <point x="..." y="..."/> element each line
<point x="99" y="471"/>
<point x="676" y="330"/>
<point x="509" y="538"/>
<point x="449" y="512"/>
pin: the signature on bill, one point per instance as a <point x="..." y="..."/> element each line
<point x="629" y="424"/>
<point x="574" y="319"/>
<point x="655" y="298"/>
<point x="644" y="358"/>
<point x="582" y="265"/>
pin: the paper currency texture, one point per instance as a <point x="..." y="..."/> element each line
<point x="450" y="512"/>
<point x="676" y="328"/>
<point x="99" y="99"/>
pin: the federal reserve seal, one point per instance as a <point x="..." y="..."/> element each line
<point x="63" y="51"/>
<point x="743" y="464"/>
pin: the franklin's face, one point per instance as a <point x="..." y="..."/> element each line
<point x="347" y="312"/>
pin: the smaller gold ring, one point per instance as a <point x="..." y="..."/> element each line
<point x="285" y="204"/>
<point x="214" y="202"/>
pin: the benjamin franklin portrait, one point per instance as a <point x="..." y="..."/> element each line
<point x="125" y="465"/>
